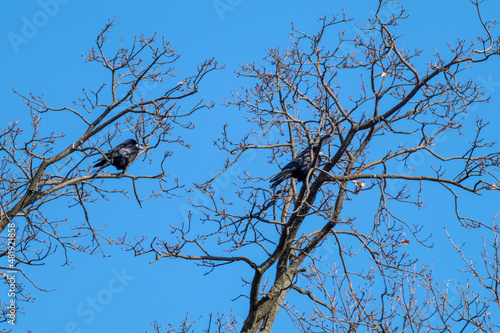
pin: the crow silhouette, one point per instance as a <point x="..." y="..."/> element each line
<point x="297" y="168"/>
<point x="120" y="156"/>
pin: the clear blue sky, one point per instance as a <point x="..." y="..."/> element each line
<point x="41" y="45"/>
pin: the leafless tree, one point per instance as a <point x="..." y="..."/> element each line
<point x="370" y="134"/>
<point x="41" y="166"/>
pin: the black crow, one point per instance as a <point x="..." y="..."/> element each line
<point x="297" y="168"/>
<point x="120" y="157"/>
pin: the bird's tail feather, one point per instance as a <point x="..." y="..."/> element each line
<point x="281" y="176"/>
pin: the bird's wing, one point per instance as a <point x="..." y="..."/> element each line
<point x="287" y="172"/>
<point x="295" y="168"/>
<point x="104" y="161"/>
<point x="121" y="151"/>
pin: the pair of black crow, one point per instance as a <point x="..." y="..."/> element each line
<point x="125" y="153"/>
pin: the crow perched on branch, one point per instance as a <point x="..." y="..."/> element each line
<point x="120" y="156"/>
<point x="297" y="168"/>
